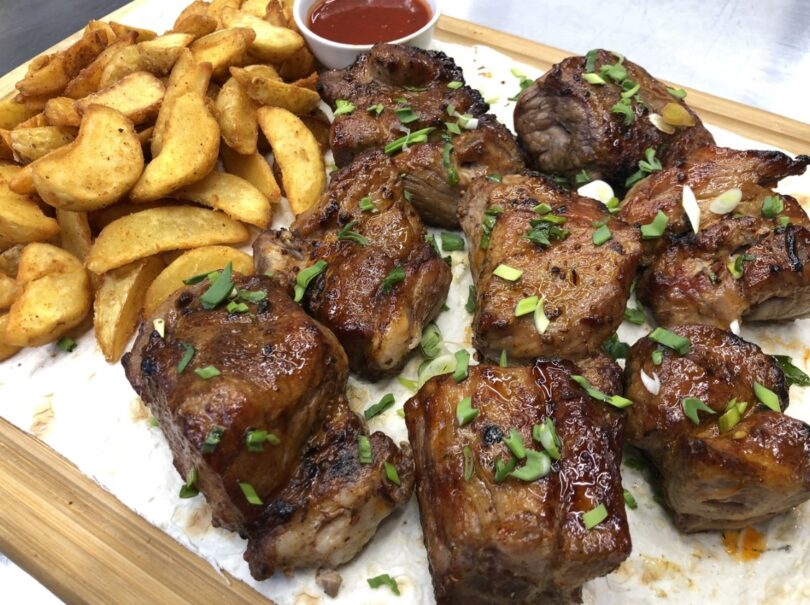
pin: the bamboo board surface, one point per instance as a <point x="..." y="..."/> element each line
<point x="86" y="546"/>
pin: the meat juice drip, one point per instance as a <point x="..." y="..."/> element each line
<point x="746" y="545"/>
<point x="368" y="21"/>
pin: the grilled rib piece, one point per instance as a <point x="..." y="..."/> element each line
<point x="279" y="369"/>
<point x="378" y="328"/>
<point x="333" y="504"/>
<point x="687" y="279"/>
<point x="585" y="286"/>
<point x="566" y="124"/>
<point x="712" y="480"/>
<point x="397" y="78"/>
<point x="516" y="542"/>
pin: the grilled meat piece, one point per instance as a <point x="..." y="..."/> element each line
<point x="377" y="319"/>
<point x="568" y="125"/>
<point x="710" y="479"/>
<point x="688" y="279"/>
<point x="333" y="504"/>
<point x="279" y="370"/>
<point x="585" y="286"/>
<point x="395" y="79"/>
<point x="516" y="541"/>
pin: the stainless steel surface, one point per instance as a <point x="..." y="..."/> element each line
<point x="750" y="51"/>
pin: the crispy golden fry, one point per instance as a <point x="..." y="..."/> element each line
<point x="119" y="299"/>
<point x="190" y="264"/>
<point x="236" y="114"/>
<point x="196" y="24"/>
<point x="126" y="31"/>
<point x="88" y="80"/>
<point x="75" y="232"/>
<point x="35" y="121"/>
<point x="101" y="218"/>
<point x="197" y="7"/>
<point x="271" y="43"/>
<point x="54" y="296"/>
<point x="22" y="220"/>
<point x="29" y="144"/>
<point x="274" y="93"/>
<point x="6" y="350"/>
<point x="97" y="169"/>
<point x="23" y="181"/>
<point x="7" y="171"/>
<point x="257" y="8"/>
<point x="232" y="195"/>
<point x="215" y="8"/>
<point x="254" y="169"/>
<point x="156" y="56"/>
<point x="298" y="66"/>
<point x="8" y="290"/>
<point x="10" y="260"/>
<point x="6" y="152"/>
<point x="223" y="48"/>
<point x="12" y="113"/>
<point x="61" y="111"/>
<point x="297" y="154"/>
<point x="280" y="14"/>
<point x="52" y="78"/>
<point x="138" y="96"/>
<point x="310" y="82"/>
<point x="187" y="76"/>
<point x="157" y="230"/>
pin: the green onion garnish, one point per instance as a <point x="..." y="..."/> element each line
<point x="538" y="464"/>
<point x="515" y="444"/>
<point x="592" y="78"/>
<point x="767" y="397"/>
<point x="392" y="474"/>
<point x="409" y="384"/>
<point x="343" y="107"/>
<point x="366" y="205"/>
<point x="735" y="264"/>
<point x="378" y="408"/>
<point x="488" y="224"/>
<point x="377" y="108"/>
<point x="212" y="439"/>
<point x="252" y="296"/>
<point x="431" y="343"/>
<point x="546" y="435"/>
<point x="657" y="357"/>
<point x="468" y="463"/>
<point x="384" y="580"/>
<point x="624" y="108"/>
<point x="678" y="93"/>
<point x="793" y="374"/>
<point x="406" y="115"/>
<point x="732" y="416"/>
<point x="634" y="316"/>
<point x="188" y="354"/>
<point x="526" y="305"/>
<point x="629" y="500"/>
<point x="590" y="61"/>
<point x="656" y="228"/>
<point x="615" y="72"/>
<point x="255" y="440"/>
<point x="615" y="347"/>
<point x="784" y="221"/>
<point x="470" y="304"/>
<point x="396" y="275"/>
<point x="508" y="273"/>
<point x="67" y="344"/>
<point x="595" y="516"/>
<point x="772" y="206"/>
<point x="671" y="340"/>
<point x="495" y="178"/>
<point x="454" y="85"/>
<point x="306" y="276"/>
<point x="347" y="234"/>
<point x="465" y="413"/>
<point x="219" y="289"/>
<point x="614" y="400"/>
<point x="420" y="136"/>
<point x="250" y="494"/>
<point x="462" y="365"/>
<point x="451" y="241"/>
<point x="447" y="161"/>
<point x="208" y="372"/>
<point x="542" y="208"/>
<point x="502" y="469"/>
<point x="646" y="166"/>
<point x="452" y="127"/>
<point x="691" y="406"/>
<point x="236" y="307"/>
<point x="189" y="489"/>
<point x="195" y="279"/>
<point x="364" y="448"/>
<point x="602" y="235"/>
<point x="431" y="239"/>
<point x="503" y="362"/>
<point x="443" y="364"/>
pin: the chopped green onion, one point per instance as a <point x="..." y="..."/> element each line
<point x="343" y="107"/>
<point x="153" y="422"/>
<point x="431" y="239"/>
<point x="595" y="516"/>
<point x="656" y="228"/>
<point x="691" y="406"/>
<point x="189" y="489"/>
<point x="502" y="469"/>
<point x="524" y="83"/>
<point x="408" y="195"/>
<point x="646" y="166"/>
<point x="378" y="408"/>
<point x="784" y="221"/>
<point x="616" y="348"/>
<point x="624" y="108"/>
<point x="582" y="178"/>
<point x="678" y="93"/>
<point x="454" y="85"/>
<point x="219" y="289"/>
<point x="377" y="108"/>
<point x="495" y="178"/>
<point x="237" y="307"/>
<point x="629" y="88"/>
<point x="255" y="440"/>
<point x="542" y="208"/>
<point x="431" y="343"/>
<point x="396" y="275"/>
<point x="488" y="224"/>
<point x="364" y="448"/>
<point x="452" y="241"/>
<point x="468" y="463"/>
<point x="590" y="61"/>
<point x="503" y="362"/>
<point x="252" y="296"/>
<point x="250" y="494"/>
<point x="515" y="444"/>
<point x="671" y="340"/>
<point x="615" y="72"/>
<point x="634" y="316"/>
<point x="465" y="413"/>
<point x="732" y="416"/>
<point x="452" y="173"/>
<point x="602" y="235"/>
<point x="470" y="304"/>
<point x="629" y="500"/>
<point x="384" y="580"/>
<point x="392" y="474"/>
<point x="767" y="397"/>
<point x="420" y="136"/>
<point x="406" y="115"/>
<point x="366" y="205"/>
<point x="212" y="439"/>
<point x="550" y="218"/>
<point x="614" y="400"/>
<point x="452" y="127"/>
<point x="409" y="384"/>
<point x="401" y="412"/>
<point x="538" y="464"/>
<point x="657" y="357"/>
<point x="67" y="344"/>
<point x="196" y="279"/>
<point x="541" y="321"/>
<point x="508" y="273"/>
<point x="443" y="364"/>
<point x="592" y="78"/>
<point x="526" y="305"/>
<point x="347" y="234"/>
<point x="793" y="374"/>
<point x="188" y="354"/>
<point x="462" y="365"/>
<point x="772" y="206"/>
<point x="735" y="264"/>
<point x="208" y="372"/>
<point x="546" y="435"/>
<point x="306" y="276"/>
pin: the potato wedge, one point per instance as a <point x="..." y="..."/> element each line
<point x="297" y="154"/>
<point x="29" y="144"/>
<point x="192" y="263"/>
<point x="12" y="113"/>
<point x="23" y="181"/>
<point x="271" y="43"/>
<point x="95" y="170"/>
<point x="223" y="48"/>
<point x="54" y="296"/>
<point x="267" y="91"/>
<point x="75" y="232"/>
<point x="280" y="14"/>
<point x="126" y="31"/>
<point x="6" y="152"/>
<point x="236" y="114"/>
<point x="138" y="96"/>
<point x="197" y="7"/>
<point x="254" y="169"/>
<point x="155" y="56"/>
<point x="8" y="291"/>
<point x="101" y="218"/>
<point x="232" y="195"/>
<point x="10" y="260"/>
<point x="196" y="24"/>
<point x="257" y="8"/>
<point x="298" y="66"/>
<point x="187" y="76"/>
<point x="215" y="8"/>
<point x="8" y="171"/>
<point x="157" y="230"/>
<point x="6" y="351"/>
<point x="117" y="308"/>
<point x="88" y="80"/>
<point x="61" y="111"/>
<point x="22" y="220"/>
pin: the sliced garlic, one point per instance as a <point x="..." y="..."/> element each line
<point x="541" y="322"/>
<point x="726" y="201"/>
<point x="690" y="206"/>
<point x="469" y="124"/>
<point x="735" y="327"/>
<point x="597" y="190"/>
<point x="651" y="383"/>
<point x="660" y="124"/>
<point x="160" y="326"/>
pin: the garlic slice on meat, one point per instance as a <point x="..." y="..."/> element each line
<point x="597" y="190"/>
<point x="726" y="201"/>
<point x="734" y="326"/>
<point x="690" y="206"/>
<point x="651" y="383"/>
<point x="660" y="124"/>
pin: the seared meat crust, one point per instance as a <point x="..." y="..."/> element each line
<point x="516" y="542"/>
<point x="585" y="286"/>
<point x="566" y="124"/>
<point x="712" y="480"/>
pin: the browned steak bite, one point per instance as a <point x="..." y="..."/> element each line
<point x="727" y="455"/>
<point x="569" y="124"/>
<point x="382" y="281"/>
<point x="749" y="256"/>
<point x="398" y="91"/>
<point x="506" y="520"/>
<point x="529" y="239"/>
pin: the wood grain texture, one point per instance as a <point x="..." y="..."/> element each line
<point x="86" y="546"/>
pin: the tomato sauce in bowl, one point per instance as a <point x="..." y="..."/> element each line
<point x="368" y="21"/>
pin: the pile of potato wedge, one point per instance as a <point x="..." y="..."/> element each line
<point x="131" y="161"/>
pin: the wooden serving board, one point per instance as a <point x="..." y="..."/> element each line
<point x="86" y="546"/>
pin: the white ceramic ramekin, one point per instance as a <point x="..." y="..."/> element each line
<point x="336" y="55"/>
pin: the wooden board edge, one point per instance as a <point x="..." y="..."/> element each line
<point x="106" y="553"/>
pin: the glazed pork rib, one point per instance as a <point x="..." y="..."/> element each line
<point x="568" y="124"/>
<point x="749" y="256"/>
<point x="545" y="236"/>
<point x="739" y="463"/>
<point x="496" y="538"/>
<point x="397" y="90"/>
<point x="383" y="281"/>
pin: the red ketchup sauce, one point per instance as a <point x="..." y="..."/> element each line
<point x="368" y="21"/>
